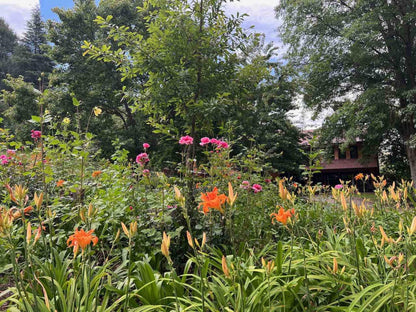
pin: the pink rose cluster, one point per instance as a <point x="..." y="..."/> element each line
<point x="142" y="159"/>
<point x="245" y="185"/>
<point x="186" y="140"/>
<point x="35" y="134"/>
<point x="4" y="159"/>
<point x="218" y="143"/>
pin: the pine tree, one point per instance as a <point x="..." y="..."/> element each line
<point x="30" y="59"/>
<point x="8" y="42"/>
<point x="35" y="36"/>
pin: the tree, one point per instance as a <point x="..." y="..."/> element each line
<point x="35" y="36"/>
<point x="8" y="42"/>
<point x="29" y="58"/>
<point x="18" y="105"/>
<point x="93" y="83"/>
<point x="359" y="58"/>
<point x="197" y="72"/>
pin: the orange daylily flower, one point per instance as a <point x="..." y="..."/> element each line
<point x="282" y="215"/>
<point x="60" y="183"/>
<point x="96" y="173"/>
<point x="17" y="213"/>
<point x="359" y="176"/>
<point x="212" y="200"/>
<point x="81" y="239"/>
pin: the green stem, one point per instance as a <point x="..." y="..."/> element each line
<point x="128" y="277"/>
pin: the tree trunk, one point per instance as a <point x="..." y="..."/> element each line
<point x="408" y="131"/>
<point x="411" y="157"/>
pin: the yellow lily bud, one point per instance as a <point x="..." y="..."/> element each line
<point x="231" y="197"/>
<point x="204" y="240"/>
<point x="165" y="245"/>
<point x="334" y="265"/>
<point x="28" y="233"/>
<point x="412" y="227"/>
<point x="225" y="267"/>
<point x="189" y="237"/>
<point x="125" y="230"/>
<point x="38" y="200"/>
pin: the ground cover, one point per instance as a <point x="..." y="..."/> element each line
<point x="79" y="233"/>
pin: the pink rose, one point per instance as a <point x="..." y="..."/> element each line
<point x="142" y="158"/>
<point x="35" y="134"/>
<point x="257" y="188"/>
<point x="245" y="185"/>
<point x="214" y="141"/>
<point x="338" y="186"/>
<point x="186" y="140"/>
<point x="223" y="144"/>
<point x="204" y="141"/>
<point x="146" y="146"/>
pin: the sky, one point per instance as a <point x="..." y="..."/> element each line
<point x="261" y="13"/>
<point x="261" y="16"/>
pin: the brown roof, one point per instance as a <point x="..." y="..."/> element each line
<point x="349" y="164"/>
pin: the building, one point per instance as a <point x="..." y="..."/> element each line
<point x="344" y="164"/>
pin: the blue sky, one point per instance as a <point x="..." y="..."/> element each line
<point x="261" y="13"/>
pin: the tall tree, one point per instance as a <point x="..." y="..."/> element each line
<point x="8" y="43"/>
<point x="93" y="83"/>
<point x="35" y="36"/>
<point x="359" y="58"/>
<point x="29" y="58"/>
<point x="200" y="71"/>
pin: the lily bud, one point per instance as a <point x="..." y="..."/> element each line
<point x="189" y="237"/>
<point x="28" y="233"/>
<point x="225" y="267"/>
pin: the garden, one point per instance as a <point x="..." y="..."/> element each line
<point x="148" y="161"/>
<point x="79" y="233"/>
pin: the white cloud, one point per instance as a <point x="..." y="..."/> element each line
<point x="16" y="13"/>
<point x="261" y="14"/>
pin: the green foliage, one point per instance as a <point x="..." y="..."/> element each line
<point x="97" y="84"/>
<point x="355" y="57"/>
<point x="196" y="71"/>
<point x="8" y="42"/>
<point x="332" y="253"/>
<point x="18" y="105"/>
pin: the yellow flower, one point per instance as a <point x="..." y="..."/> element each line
<point x="97" y="111"/>
<point x="66" y="121"/>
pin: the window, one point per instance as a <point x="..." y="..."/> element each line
<point x="353" y="152"/>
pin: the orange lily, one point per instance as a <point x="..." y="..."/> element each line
<point x="96" y="173"/>
<point x="282" y="215"/>
<point x="359" y="176"/>
<point x="212" y="200"/>
<point x="60" y="183"/>
<point x="81" y="239"/>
